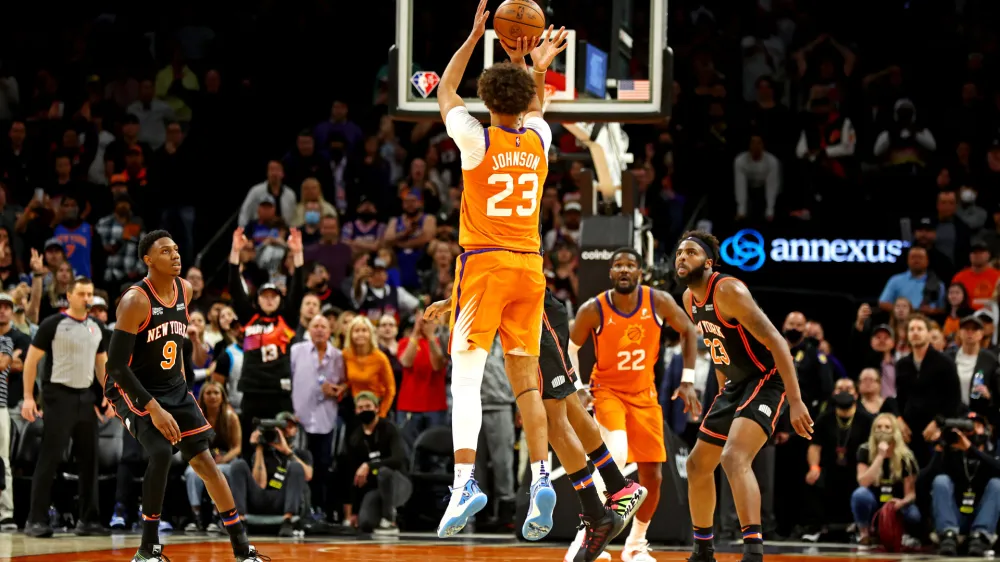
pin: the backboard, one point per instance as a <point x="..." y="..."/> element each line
<point x="617" y="67"/>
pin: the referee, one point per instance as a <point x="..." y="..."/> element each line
<point x="74" y="346"/>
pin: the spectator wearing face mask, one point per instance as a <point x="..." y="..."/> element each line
<point x="980" y="278"/>
<point x="971" y="214"/>
<point x="905" y="144"/>
<point x="966" y="488"/>
<point x="312" y="214"/>
<point x="311" y="192"/>
<point x="812" y="365"/>
<point x="832" y="456"/>
<point x="815" y="333"/>
<point x="365" y="232"/>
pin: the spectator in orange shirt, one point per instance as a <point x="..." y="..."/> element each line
<point x="957" y="307"/>
<point x="979" y="279"/>
<point x="366" y="366"/>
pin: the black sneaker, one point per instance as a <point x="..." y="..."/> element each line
<point x="598" y="534"/>
<point x="979" y="545"/>
<point x="90" y="529"/>
<point x="287" y="529"/>
<point x="948" y="545"/>
<point x="8" y="524"/>
<point x="38" y="530"/>
<point x="702" y="555"/>
<point x="753" y="552"/>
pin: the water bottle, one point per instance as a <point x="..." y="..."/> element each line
<point x="977" y="380"/>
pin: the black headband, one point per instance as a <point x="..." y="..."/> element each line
<point x="708" y="250"/>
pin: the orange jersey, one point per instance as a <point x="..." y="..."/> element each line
<point x="500" y="199"/>
<point x="626" y="345"/>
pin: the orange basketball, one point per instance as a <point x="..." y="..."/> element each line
<point x="518" y="18"/>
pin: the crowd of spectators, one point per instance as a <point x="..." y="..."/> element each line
<point x="784" y="112"/>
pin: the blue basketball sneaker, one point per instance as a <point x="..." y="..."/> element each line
<point x="543" y="503"/>
<point x="465" y="502"/>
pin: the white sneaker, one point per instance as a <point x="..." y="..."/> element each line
<point x="465" y="502"/>
<point x="574" y="547"/>
<point x="386" y="527"/>
<point x="157" y="555"/>
<point x="637" y="552"/>
<point x="910" y="542"/>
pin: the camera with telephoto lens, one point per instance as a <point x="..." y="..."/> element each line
<point x="268" y="430"/>
<point x="949" y="437"/>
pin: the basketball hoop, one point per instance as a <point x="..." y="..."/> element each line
<point x="550" y="91"/>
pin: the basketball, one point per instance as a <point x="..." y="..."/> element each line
<point x="518" y="18"/>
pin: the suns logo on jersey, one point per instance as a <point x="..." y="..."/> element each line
<point x="634" y="334"/>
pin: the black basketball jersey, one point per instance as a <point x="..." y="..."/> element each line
<point x="734" y="350"/>
<point x="157" y="357"/>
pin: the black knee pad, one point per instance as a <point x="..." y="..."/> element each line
<point x="191" y="448"/>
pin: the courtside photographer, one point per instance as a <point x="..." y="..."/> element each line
<point x="966" y="485"/>
<point x="277" y="482"/>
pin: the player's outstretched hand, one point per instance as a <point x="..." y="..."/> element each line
<point x="439" y="309"/>
<point x="482" y="16"/>
<point x="802" y="423"/>
<point x="547" y="49"/>
<point x="524" y="46"/>
<point x="689" y="395"/>
<point x="166" y="424"/>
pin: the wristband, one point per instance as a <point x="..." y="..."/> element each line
<point x="687" y="376"/>
<point x="578" y="383"/>
<point x="536" y="71"/>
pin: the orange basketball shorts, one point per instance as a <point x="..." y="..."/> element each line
<point x="498" y="290"/>
<point x="639" y="415"/>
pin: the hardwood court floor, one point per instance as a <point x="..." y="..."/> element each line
<point x="410" y="548"/>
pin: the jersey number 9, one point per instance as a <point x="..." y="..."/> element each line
<point x="169" y="355"/>
<point x="508" y="182"/>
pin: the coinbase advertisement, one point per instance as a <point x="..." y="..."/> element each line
<point x="749" y="251"/>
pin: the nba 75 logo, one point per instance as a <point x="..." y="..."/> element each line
<point x="425" y="82"/>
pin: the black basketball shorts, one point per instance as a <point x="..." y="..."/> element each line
<point x="761" y="399"/>
<point x="196" y="432"/>
<point x="555" y="372"/>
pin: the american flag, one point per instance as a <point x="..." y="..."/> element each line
<point x="633" y="90"/>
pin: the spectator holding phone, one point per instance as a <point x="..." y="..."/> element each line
<point x="887" y="472"/>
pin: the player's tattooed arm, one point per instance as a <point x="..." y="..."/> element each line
<point x="734" y="301"/>
<point x="447" y="96"/>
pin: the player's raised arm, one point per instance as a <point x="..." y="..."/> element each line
<point x="448" y="97"/>
<point x="734" y="300"/>
<point x="541" y="57"/>
<point x="667" y="308"/>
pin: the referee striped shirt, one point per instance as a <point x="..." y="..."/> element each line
<point x="70" y="346"/>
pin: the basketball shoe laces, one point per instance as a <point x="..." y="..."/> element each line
<point x="593" y="536"/>
<point x="258" y="556"/>
<point x="622" y="504"/>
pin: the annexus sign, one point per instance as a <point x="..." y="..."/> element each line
<point x="746" y="250"/>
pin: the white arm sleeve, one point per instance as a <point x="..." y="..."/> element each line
<point x="539" y="125"/>
<point x="468" y="134"/>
